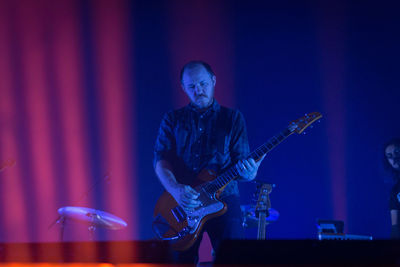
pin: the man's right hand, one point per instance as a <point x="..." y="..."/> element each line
<point x="186" y="197"/>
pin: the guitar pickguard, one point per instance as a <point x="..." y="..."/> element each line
<point x="182" y="227"/>
<point x="194" y="218"/>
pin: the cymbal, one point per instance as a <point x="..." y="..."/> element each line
<point x="94" y="217"/>
<point x="250" y="219"/>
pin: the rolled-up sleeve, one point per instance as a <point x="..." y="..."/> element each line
<point x="165" y="146"/>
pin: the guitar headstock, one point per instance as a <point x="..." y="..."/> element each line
<point x="302" y="123"/>
<point x="263" y="203"/>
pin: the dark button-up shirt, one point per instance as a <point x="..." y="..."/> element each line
<point x="191" y="141"/>
<point x="394" y="203"/>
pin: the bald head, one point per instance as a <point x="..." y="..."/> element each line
<point x="196" y="63"/>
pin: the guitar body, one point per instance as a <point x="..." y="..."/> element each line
<point x="185" y="227"/>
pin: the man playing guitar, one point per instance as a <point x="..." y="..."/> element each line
<point x="197" y="142"/>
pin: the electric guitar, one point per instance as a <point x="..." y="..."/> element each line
<point x="171" y="222"/>
<point x="262" y="207"/>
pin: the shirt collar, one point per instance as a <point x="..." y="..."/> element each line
<point x="213" y="107"/>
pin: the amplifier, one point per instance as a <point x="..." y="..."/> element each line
<point x="327" y="236"/>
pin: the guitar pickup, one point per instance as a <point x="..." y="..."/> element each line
<point x="179" y="214"/>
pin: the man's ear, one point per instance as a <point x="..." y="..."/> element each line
<point x="214" y="79"/>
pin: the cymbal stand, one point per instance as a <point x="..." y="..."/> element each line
<point x="61" y="222"/>
<point x="92" y="226"/>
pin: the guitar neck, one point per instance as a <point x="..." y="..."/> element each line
<point x="270" y="144"/>
<point x="261" y="226"/>
<point x="232" y="173"/>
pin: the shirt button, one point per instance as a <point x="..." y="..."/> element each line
<point x="201" y="129"/>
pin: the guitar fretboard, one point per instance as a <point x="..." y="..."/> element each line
<point x="233" y="173"/>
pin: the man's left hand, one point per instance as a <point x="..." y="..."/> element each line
<point x="248" y="168"/>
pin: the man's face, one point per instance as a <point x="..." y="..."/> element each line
<point x="198" y="84"/>
<point x="393" y="156"/>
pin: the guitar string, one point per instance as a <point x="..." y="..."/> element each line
<point x="231" y="173"/>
